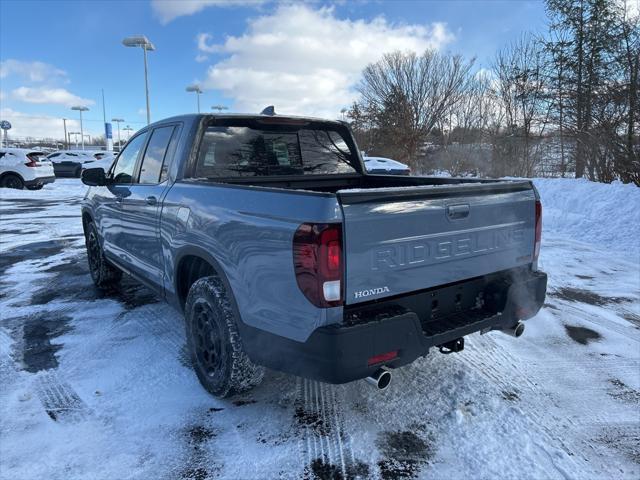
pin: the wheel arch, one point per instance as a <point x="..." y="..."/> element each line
<point x="11" y="172"/>
<point x="86" y="219"/>
<point x="191" y="264"/>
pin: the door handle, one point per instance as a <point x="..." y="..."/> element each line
<point x="151" y="200"/>
<point x="455" y="212"/>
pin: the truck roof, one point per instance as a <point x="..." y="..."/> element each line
<point x="191" y="117"/>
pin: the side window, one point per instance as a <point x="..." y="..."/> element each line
<point x="154" y="156"/>
<point x="123" y="170"/>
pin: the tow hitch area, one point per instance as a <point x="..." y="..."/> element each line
<point x="454" y="346"/>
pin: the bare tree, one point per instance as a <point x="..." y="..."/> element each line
<point x="412" y="93"/>
<point x="520" y="87"/>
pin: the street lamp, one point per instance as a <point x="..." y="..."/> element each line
<point x="145" y="44"/>
<point x="128" y="129"/>
<point x="219" y="108"/>
<point x="81" y="109"/>
<point x="195" y="88"/>
<point x="118" y="121"/>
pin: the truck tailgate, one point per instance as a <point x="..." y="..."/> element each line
<point x="403" y="239"/>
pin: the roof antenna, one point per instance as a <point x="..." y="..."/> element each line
<point x="270" y="110"/>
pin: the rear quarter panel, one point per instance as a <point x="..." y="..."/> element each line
<point x="249" y="232"/>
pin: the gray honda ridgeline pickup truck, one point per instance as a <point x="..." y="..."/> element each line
<point x="282" y="252"/>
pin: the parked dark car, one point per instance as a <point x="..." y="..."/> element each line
<point x="283" y="252"/>
<point x="70" y="164"/>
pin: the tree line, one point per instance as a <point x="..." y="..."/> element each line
<point x="560" y="103"/>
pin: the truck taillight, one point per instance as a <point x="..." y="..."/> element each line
<point x="538" y="237"/>
<point x="318" y="262"/>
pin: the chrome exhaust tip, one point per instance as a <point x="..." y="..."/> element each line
<point x="381" y="378"/>
<point x="515" y="331"/>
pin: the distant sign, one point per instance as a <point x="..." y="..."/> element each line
<point x="5" y="125"/>
<point x="108" y="136"/>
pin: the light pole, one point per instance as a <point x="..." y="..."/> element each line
<point x="219" y="108"/>
<point x="195" y="88"/>
<point x="128" y="129"/>
<point x="66" y="145"/>
<point x="81" y="109"/>
<point x="118" y="120"/>
<point x="145" y="44"/>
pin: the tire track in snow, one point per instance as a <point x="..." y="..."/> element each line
<point x="59" y="399"/>
<point x="5" y="343"/>
<point x="169" y="333"/>
<point x="494" y="363"/>
<point x="325" y="446"/>
<point x="507" y="372"/>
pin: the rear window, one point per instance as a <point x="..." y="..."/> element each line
<point x="36" y="156"/>
<point x="245" y="151"/>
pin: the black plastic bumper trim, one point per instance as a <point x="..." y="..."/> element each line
<point x="339" y="354"/>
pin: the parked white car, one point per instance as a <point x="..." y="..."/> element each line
<point x="104" y="161"/>
<point x="20" y="168"/>
<point x="385" y="166"/>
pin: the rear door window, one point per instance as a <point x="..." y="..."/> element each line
<point x="154" y="156"/>
<point x="244" y="151"/>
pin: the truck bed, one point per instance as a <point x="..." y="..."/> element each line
<point x="333" y="183"/>
<point x="403" y="234"/>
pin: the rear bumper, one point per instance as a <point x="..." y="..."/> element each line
<point x="339" y="354"/>
<point x="39" y="181"/>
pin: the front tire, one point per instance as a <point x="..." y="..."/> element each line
<point x="12" y="181"/>
<point x="217" y="353"/>
<point x="103" y="274"/>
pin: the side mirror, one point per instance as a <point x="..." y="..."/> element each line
<point x="94" y="177"/>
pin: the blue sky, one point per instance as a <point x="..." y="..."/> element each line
<point x="303" y="57"/>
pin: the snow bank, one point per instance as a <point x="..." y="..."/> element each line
<point x="604" y="214"/>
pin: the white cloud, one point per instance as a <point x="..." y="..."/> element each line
<point x="44" y="95"/>
<point x="307" y="61"/>
<point x="37" y="126"/>
<point x="168" y="10"/>
<point x="33" y="71"/>
<point x="204" y="43"/>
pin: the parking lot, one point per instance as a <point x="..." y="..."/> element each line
<point x="98" y="385"/>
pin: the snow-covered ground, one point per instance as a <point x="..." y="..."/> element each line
<point x="97" y="385"/>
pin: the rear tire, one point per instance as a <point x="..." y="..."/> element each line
<point x="217" y="353"/>
<point x="12" y="180"/>
<point x="103" y="274"/>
